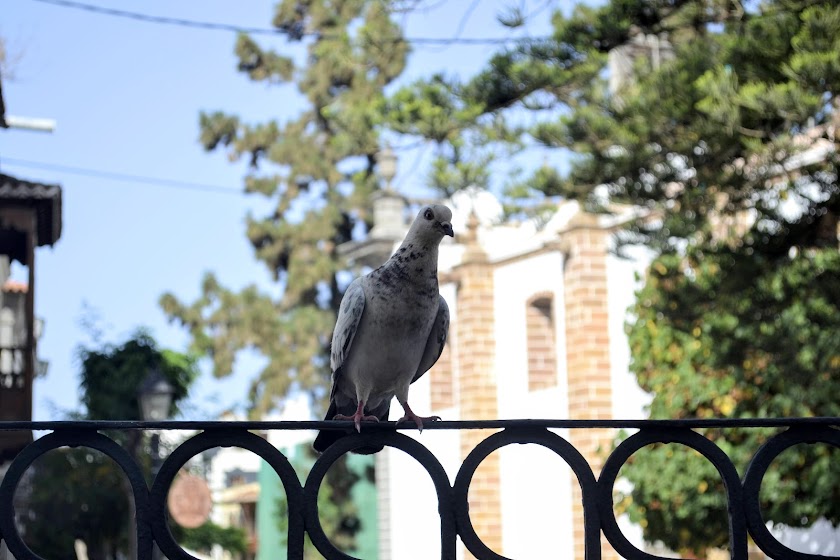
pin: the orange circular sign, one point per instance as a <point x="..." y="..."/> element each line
<point x="189" y="501"/>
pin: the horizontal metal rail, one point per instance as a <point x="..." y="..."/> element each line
<point x="745" y="517"/>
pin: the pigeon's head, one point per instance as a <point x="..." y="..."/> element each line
<point x="432" y="223"/>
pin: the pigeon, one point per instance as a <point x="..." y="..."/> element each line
<point x="391" y="328"/>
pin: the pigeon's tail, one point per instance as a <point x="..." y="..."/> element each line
<point x="328" y="437"/>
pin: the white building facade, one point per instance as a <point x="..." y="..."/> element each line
<point x="537" y="331"/>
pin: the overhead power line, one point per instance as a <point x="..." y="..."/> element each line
<point x="157" y="181"/>
<point x="158" y="19"/>
<point x="214" y="26"/>
<point x="125" y="177"/>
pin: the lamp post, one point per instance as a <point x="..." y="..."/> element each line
<point x="155" y="398"/>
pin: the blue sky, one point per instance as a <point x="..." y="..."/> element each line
<point x="126" y="96"/>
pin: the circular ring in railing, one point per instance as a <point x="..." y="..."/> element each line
<point x="544" y="438"/>
<point x="390" y="439"/>
<point x="689" y="438"/>
<point x="224" y="438"/>
<point x="73" y="438"/>
<point x="755" y="475"/>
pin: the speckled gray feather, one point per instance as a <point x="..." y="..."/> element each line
<point x="391" y="327"/>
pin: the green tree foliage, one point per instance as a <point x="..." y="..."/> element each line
<point x="87" y="487"/>
<point x="723" y="133"/>
<point x="736" y="337"/>
<point x="465" y="139"/>
<point x="318" y="172"/>
<point x="111" y="376"/>
<point x="204" y="537"/>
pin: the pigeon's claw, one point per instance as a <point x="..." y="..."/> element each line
<point x="418" y="420"/>
<point x="358" y="417"/>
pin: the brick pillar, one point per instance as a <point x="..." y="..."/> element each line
<point x="477" y="386"/>
<point x="587" y="353"/>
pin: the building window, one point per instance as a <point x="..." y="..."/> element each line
<point x="542" y="336"/>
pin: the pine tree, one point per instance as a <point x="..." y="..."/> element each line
<point x="318" y="172"/>
<point x="721" y="128"/>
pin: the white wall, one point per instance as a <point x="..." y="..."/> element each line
<point x="515" y="284"/>
<point x="408" y="500"/>
<point x="536" y="484"/>
<point x="629" y="400"/>
<point x="408" y="519"/>
<point x="821" y="538"/>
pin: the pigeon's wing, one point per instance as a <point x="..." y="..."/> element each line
<point x="349" y="316"/>
<point x="437" y="338"/>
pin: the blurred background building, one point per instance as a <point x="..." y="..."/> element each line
<point x="30" y="217"/>
<point x="537" y="331"/>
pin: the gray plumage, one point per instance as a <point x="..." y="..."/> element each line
<point x="391" y="328"/>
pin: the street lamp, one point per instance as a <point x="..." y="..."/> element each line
<point x="155" y="396"/>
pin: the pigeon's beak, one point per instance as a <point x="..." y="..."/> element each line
<point x="446" y="228"/>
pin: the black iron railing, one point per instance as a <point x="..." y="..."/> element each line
<point x="745" y="517"/>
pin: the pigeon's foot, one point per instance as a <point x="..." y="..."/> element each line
<point x="418" y="420"/>
<point x="358" y="417"/>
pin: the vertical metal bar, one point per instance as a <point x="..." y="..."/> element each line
<point x="29" y="359"/>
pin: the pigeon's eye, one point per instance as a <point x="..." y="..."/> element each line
<point x="428" y="214"/>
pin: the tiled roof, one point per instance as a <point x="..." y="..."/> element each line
<point x="13" y="286"/>
<point x="45" y="199"/>
<point x="20" y="189"/>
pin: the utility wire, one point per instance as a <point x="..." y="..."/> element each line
<point x="148" y="18"/>
<point x="461" y="24"/>
<point x="125" y="177"/>
<point x="213" y="26"/>
<point x="157" y="181"/>
<point x="465" y="18"/>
